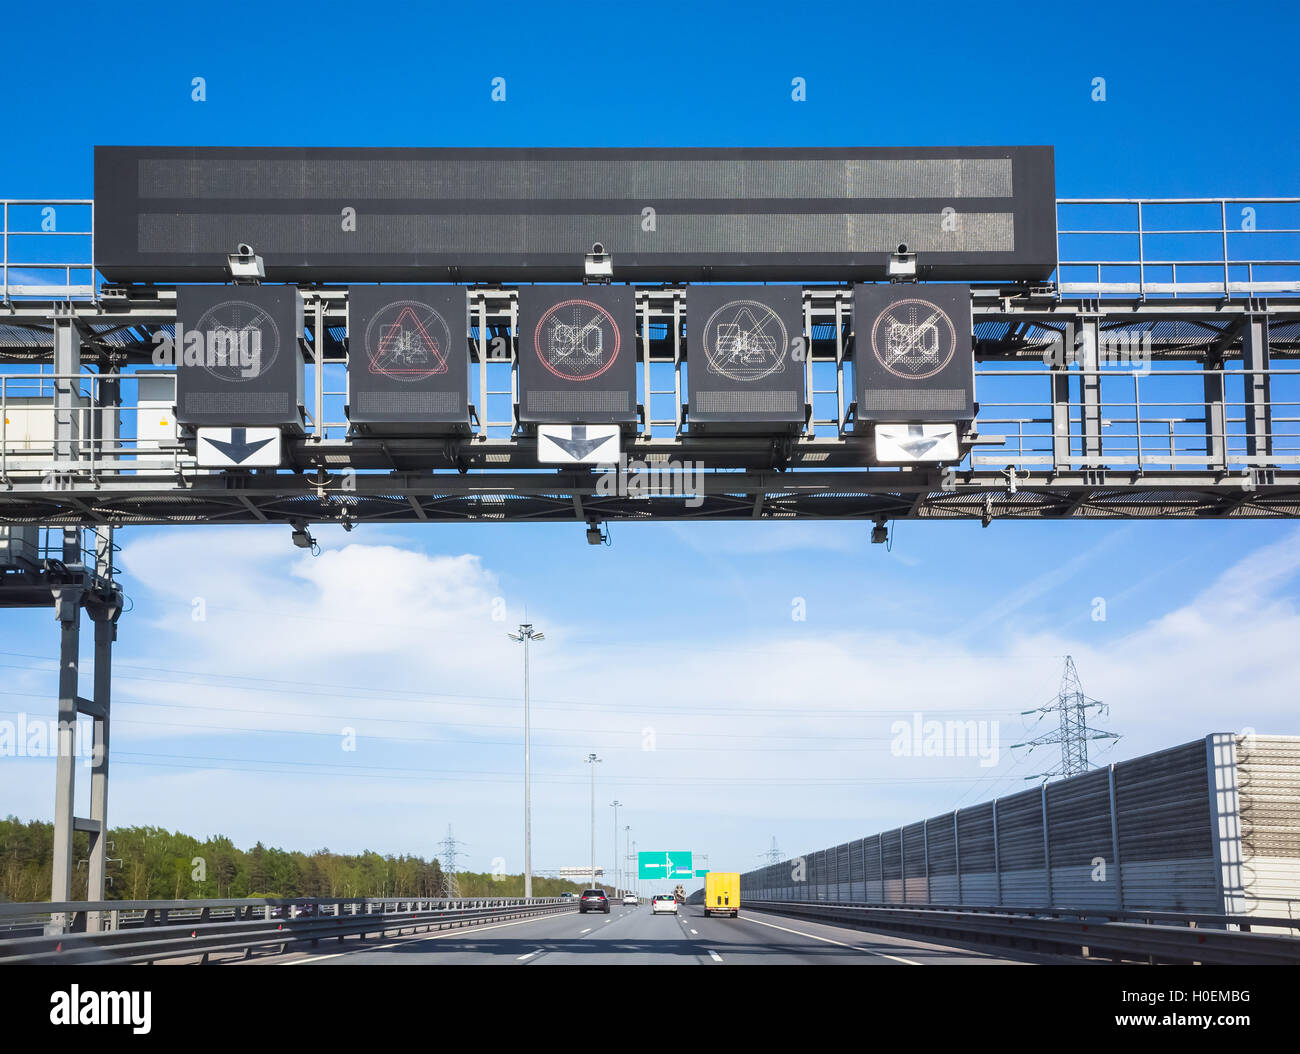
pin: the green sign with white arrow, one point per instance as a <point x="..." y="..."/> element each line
<point x="665" y="865"/>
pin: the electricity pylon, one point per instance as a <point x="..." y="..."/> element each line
<point x="1073" y="733"/>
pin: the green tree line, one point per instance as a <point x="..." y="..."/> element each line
<point x="151" y="863"/>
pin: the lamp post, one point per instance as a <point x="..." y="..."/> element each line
<point x="593" y="761"/>
<point x="617" y="876"/>
<point x="627" y="842"/>
<point x="527" y="634"/>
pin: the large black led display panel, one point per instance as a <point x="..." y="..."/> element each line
<point x="408" y="358"/>
<point x="507" y="214"/>
<point x="913" y="353"/>
<point x="238" y="358"/>
<point x="745" y="358"/>
<point x="577" y="355"/>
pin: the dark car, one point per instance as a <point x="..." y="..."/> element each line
<point x="593" y="900"/>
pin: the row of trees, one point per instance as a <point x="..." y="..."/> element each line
<point x="150" y="863"/>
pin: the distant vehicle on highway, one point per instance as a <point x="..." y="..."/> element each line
<point x="664" y="904"/>
<point x="630" y="898"/>
<point x="567" y="895"/>
<point x="593" y="900"/>
<point x="722" y="893"/>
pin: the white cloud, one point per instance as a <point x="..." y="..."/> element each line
<point x="749" y="731"/>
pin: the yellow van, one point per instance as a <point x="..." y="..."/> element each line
<point x="722" y="893"/>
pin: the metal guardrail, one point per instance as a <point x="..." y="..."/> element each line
<point x="1163" y="247"/>
<point x="157" y="931"/>
<point x="35" y="260"/>
<point x="1138" y="246"/>
<point x="1155" y="941"/>
<point x="1243" y="923"/>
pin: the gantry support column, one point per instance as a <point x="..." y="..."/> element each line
<point x="1254" y="359"/>
<point x="67" y="612"/>
<point x="1088" y="348"/>
<point x="104" y="616"/>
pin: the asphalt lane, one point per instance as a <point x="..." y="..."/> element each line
<point x="635" y="936"/>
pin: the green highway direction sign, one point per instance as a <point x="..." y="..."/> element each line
<point x="665" y="865"/>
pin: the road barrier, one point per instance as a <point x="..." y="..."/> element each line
<point x="1153" y="937"/>
<point x="155" y="931"/>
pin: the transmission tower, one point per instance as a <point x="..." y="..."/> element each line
<point x="1073" y="733"/>
<point x="451" y="884"/>
<point x="773" y="854"/>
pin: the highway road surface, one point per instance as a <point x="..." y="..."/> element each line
<point x="633" y="936"/>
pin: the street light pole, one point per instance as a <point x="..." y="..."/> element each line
<point x="617" y="875"/>
<point x="527" y="635"/>
<point x="627" y="842"/>
<point x="593" y="761"/>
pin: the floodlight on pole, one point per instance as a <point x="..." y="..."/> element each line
<point x="617" y="876"/>
<point x="593" y="761"/>
<point x="527" y="635"/>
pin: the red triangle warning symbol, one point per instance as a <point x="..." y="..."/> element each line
<point x="407" y="349"/>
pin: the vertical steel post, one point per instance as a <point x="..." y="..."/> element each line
<point x="67" y="610"/>
<point x="1255" y="363"/>
<point x="617" y="885"/>
<point x="925" y="847"/>
<point x="956" y="848"/>
<point x="902" y="864"/>
<point x="1114" y="840"/>
<point x="997" y="855"/>
<point x="1216" y="416"/>
<point x="528" y="775"/>
<point x="97" y="867"/>
<point x="593" y="761"/>
<point x="880" y="845"/>
<point x="1059" y="382"/>
<point x="1090" y="385"/>
<point x="527" y="635"/>
<point x="1047" y="849"/>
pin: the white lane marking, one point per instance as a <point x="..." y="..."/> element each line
<point x="587" y="930"/>
<point x="800" y="933"/>
<point x="409" y="940"/>
<point x="715" y="956"/>
<point x="522" y="958"/>
<point x="696" y="932"/>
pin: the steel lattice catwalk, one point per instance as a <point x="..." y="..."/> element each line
<point x="1210" y="431"/>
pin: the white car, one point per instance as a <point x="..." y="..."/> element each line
<point x="664" y="904"/>
<point x="630" y="899"/>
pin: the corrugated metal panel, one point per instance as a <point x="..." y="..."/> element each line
<point x="857" y="883"/>
<point x="1079" y="833"/>
<point x="893" y="854"/>
<point x="1165" y="847"/>
<point x="941" y="836"/>
<point x="843" y="879"/>
<point x="871" y="858"/>
<point x="1020" y="849"/>
<point x="914" y="883"/>
<point x="979" y="883"/>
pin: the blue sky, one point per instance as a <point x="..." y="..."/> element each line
<point x="679" y="637"/>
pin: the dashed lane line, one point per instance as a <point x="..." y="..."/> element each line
<point x="410" y="940"/>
